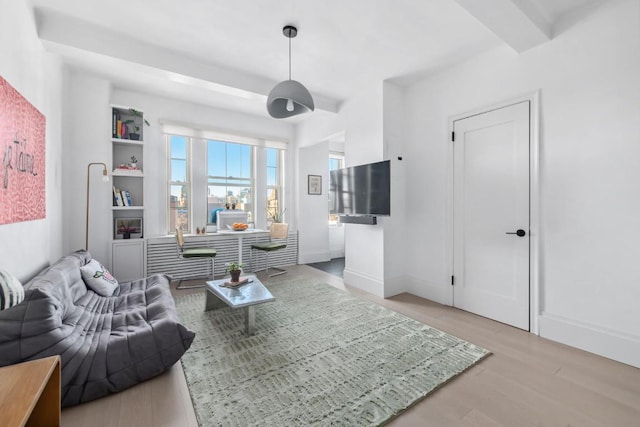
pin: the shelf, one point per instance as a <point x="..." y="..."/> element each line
<point x="127" y="141"/>
<point x="127" y="174"/>
<point x="127" y="208"/>
<point x="128" y="255"/>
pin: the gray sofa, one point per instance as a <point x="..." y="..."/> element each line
<point x="106" y="344"/>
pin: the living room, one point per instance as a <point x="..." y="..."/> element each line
<point x="585" y="282"/>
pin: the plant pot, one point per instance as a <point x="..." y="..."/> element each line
<point x="235" y="275"/>
<point x="135" y="136"/>
<point x="126" y="235"/>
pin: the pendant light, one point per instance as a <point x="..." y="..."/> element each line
<point x="290" y="97"/>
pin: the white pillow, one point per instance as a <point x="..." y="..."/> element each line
<point x="11" y="290"/>
<point x="98" y="278"/>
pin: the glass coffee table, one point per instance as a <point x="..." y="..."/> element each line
<point x="245" y="297"/>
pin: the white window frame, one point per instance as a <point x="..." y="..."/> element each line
<point x="198" y="190"/>
<point x="171" y="183"/>
<point x="334" y="219"/>
<point x="279" y="186"/>
<point x="252" y="178"/>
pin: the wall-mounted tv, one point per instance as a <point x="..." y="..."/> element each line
<point x="361" y="190"/>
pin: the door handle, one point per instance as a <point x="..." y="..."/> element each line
<point x="519" y="232"/>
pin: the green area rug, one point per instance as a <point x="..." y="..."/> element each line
<point x="319" y="357"/>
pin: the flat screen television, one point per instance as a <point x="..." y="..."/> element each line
<point x="361" y="190"/>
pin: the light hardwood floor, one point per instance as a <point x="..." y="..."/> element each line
<point x="527" y="381"/>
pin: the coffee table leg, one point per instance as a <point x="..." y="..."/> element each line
<point x="213" y="302"/>
<point x="250" y="319"/>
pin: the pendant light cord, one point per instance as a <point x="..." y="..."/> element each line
<point x="289" y="54"/>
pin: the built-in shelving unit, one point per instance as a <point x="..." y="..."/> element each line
<point x="128" y="149"/>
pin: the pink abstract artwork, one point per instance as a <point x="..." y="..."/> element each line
<point x="22" y="150"/>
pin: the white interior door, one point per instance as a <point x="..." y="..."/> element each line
<point x="491" y="214"/>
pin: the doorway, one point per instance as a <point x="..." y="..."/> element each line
<point x="491" y="213"/>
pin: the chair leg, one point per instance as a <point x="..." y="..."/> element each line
<point x="251" y="260"/>
<point x="280" y="270"/>
<point x="213" y="277"/>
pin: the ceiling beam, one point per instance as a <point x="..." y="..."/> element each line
<point x="517" y="22"/>
<point x="58" y="29"/>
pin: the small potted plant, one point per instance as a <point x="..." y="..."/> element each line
<point x="136" y="129"/>
<point x="135" y="135"/>
<point x="234" y="268"/>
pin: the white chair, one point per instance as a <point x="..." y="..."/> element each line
<point x="278" y="240"/>
<point x="200" y="252"/>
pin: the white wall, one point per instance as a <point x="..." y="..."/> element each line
<point x="26" y="247"/>
<point x="395" y="231"/>
<point x="364" y="244"/>
<point x="373" y="124"/>
<point x="590" y="114"/>
<point x="87" y="133"/>
<point x="313" y="210"/>
<point x="313" y="138"/>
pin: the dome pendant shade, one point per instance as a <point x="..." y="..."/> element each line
<point x="290" y="97"/>
<point x="289" y="90"/>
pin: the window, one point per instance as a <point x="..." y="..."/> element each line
<point x="230" y="179"/>
<point x="274" y="186"/>
<point x="179" y="185"/>
<point x="208" y="170"/>
<point x="336" y="161"/>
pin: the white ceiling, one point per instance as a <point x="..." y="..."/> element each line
<point x="228" y="54"/>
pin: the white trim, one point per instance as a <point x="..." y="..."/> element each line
<point x="313" y="257"/>
<point x="426" y="289"/>
<point x="609" y="343"/>
<point x="534" y="199"/>
<point x="169" y="183"/>
<point x="364" y="282"/>
<point x="204" y="132"/>
<point x="534" y="211"/>
<point x="126" y="107"/>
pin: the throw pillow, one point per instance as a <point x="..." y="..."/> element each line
<point x="11" y="290"/>
<point x="98" y="278"/>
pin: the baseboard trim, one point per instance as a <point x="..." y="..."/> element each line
<point x="364" y="282"/>
<point x="432" y="291"/>
<point x="614" y="345"/>
<point x="337" y="254"/>
<point x="310" y="258"/>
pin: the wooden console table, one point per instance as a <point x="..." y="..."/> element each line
<point x="30" y="393"/>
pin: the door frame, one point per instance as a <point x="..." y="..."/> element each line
<point x="534" y="198"/>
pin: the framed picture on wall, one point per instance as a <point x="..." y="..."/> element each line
<point x="314" y="184"/>
<point x="127" y="228"/>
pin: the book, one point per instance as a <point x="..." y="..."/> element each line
<point x="127" y="198"/>
<point x="117" y="197"/>
<point x="114" y="123"/>
<point x="116" y="193"/>
<point x="242" y="281"/>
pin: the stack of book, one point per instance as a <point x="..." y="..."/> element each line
<point x="121" y="197"/>
<point x="120" y="129"/>
<point x="242" y="281"/>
